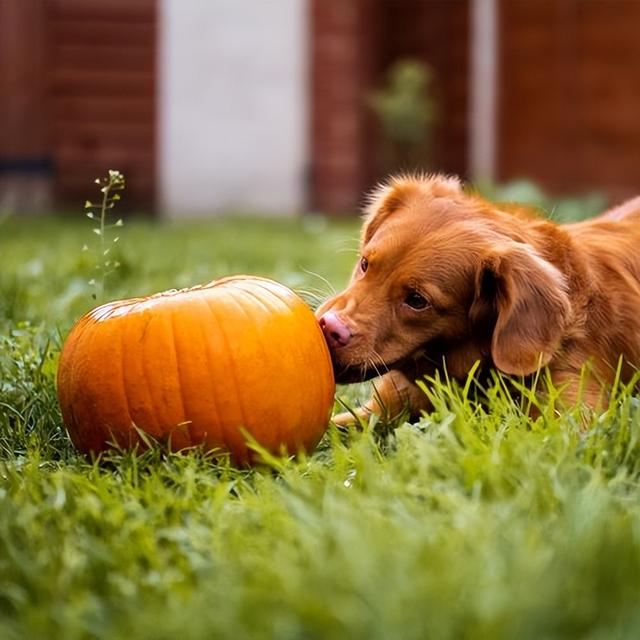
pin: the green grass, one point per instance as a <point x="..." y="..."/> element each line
<point x="476" y="522"/>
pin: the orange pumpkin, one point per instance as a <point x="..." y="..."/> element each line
<point x="197" y="366"/>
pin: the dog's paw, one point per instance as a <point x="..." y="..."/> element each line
<point x="357" y="418"/>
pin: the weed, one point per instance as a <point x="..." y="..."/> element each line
<point x="105" y="263"/>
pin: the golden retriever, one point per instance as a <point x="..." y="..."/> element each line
<point x="446" y="279"/>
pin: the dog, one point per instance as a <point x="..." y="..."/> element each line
<point x="446" y="279"/>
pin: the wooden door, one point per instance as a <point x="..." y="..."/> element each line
<point x="570" y="94"/>
<point x="102" y="84"/>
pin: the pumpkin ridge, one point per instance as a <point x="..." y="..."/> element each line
<point x="265" y="305"/>
<point x="234" y="376"/>
<point x="290" y="303"/>
<point x="104" y="311"/>
<point x="157" y="349"/>
<point x="127" y="404"/>
<point x="132" y="334"/>
<point x="222" y="425"/>
<point x="258" y="299"/>
<point x="180" y="395"/>
<point x="145" y="375"/>
<point x="238" y="278"/>
<point x="156" y="423"/>
<point x="93" y="435"/>
<point x="265" y="358"/>
<point x="218" y="417"/>
<point x="262" y="283"/>
<point x="66" y="365"/>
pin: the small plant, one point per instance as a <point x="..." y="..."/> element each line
<point x="567" y="208"/>
<point x="406" y="111"/>
<point x="105" y="263"/>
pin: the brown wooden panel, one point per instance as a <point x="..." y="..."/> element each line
<point x="343" y="37"/>
<point x="102" y="83"/>
<point x="23" y="99"/>
<point x="570" y="93"/>
<point x="353" y="45"/>
<point x="101" y="33"/>
<point x="119" y="10"/>
<point x="78" y="168"/>
<point x="83" y="56"/>
<point x="436" y="32"/>
<point x="126" y="134"/>
<point x="124" y="108"/>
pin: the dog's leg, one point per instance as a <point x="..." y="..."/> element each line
<point x="580" y="391"/>
<point x="393" y="394"/>
<point x="583" y="389"/>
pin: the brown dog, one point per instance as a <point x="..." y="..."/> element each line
<point x="446" y="279"/>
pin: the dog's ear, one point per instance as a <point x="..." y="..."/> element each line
<point x="398" y="191"/>
<point x="383" y="201"/>
<point x="528" y="298"/>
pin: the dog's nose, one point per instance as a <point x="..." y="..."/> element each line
<point x="336" y="332"/>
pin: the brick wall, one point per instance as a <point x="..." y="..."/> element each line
<point x="570" y="94"/>
<point x="25" y="183"/>
<point x="102" y="84"/>
<point x="352" y="46"/>
<point x="437" y="33"/>
<point x="343" y="61"/>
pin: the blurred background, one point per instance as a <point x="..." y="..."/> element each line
<point x="290" y="106"/>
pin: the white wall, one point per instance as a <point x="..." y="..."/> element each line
<point x="483" y="89"/>
<point x="232" y="106"/>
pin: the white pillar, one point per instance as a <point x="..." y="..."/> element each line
<point x="232" y="106"/>
<point x="483" y="103"/>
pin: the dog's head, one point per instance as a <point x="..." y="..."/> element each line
<point x="440" y="268"/>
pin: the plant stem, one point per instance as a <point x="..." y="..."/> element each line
<point x="103" y="217"/>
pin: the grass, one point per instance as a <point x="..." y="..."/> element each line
<point x="475" y="522"/>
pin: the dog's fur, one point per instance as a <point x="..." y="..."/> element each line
<point x="504" y="287"/>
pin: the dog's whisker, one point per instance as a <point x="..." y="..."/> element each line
<point x="330" y="287"/>
<point x="376" y="365"/>
<point x="313" y="298"/>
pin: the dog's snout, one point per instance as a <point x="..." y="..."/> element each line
<point x="336" y="332"/>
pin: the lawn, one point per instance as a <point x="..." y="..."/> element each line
<point x="475" y="522"/>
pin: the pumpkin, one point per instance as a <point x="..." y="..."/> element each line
<point x="199" y="366"/>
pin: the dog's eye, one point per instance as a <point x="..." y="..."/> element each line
<point x="364" y="265"/>
<point x="416" y="301"/>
